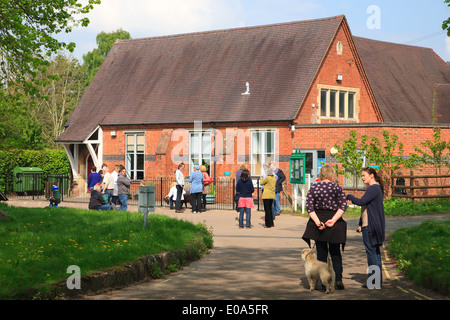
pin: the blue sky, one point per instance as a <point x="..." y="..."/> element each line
<point x="414" y="22"/>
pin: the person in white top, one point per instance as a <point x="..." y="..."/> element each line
<point x="115" y="175"/>
<point x="179" y="177"/>
<point x="172" y="196"/>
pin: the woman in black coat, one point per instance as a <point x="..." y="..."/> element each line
<point x="372" y="222"/>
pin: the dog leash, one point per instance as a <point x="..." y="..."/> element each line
<point x="312" y="249"/>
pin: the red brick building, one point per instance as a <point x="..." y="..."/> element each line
<point x="252" y="95"/>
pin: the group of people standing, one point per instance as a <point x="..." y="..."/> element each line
<point x="326" y="203"/>
<point x="271" y="185"/>
<point x="108" y="188"/>
<point x="200" y="186"/>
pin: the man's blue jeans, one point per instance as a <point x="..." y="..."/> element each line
<point x="276" y="208"/>
<point x="105" y="207"/>
<point x="123" y="198"/>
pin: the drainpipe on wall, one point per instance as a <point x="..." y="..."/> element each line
<point x="214" y="158"/>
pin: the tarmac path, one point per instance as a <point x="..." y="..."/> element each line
<point x="265" y="264"/>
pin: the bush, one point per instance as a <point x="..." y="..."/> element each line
<point x="401" y="207"/>
<point x="51" y="161"/>
<point x="422" y="253"/>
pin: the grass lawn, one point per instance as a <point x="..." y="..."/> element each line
<point x="37" y="245"/>
<point x="422" y="253"/>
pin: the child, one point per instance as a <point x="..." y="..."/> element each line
<point x="56" y="198"/>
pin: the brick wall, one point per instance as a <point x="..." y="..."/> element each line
<point x="348" y="65"/>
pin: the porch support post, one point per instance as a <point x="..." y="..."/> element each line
<point x="73" y="159"/>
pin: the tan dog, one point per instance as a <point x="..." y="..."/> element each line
<point x="316" y="270"/>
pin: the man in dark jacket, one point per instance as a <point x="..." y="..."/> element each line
<point x="97" y="202"/>
<point x="281" y="177"/>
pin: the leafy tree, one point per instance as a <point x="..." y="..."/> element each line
<point x="435" y="153"/>
<point x="446" y="23"/>
<point x="27" y="30"/>
<point x="67" y="82"/>
<point x="17" y="129"/>
<point x="351" y="156"/>
<point x="389" y="154"/>
<point x="94" y="59"/>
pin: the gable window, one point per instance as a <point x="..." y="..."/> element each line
<point x="262" y="150"/>
<point x="200" y="150"/>
<point x="338" y="103"/>
<point x="135" y="155"/>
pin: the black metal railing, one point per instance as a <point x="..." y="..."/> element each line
<point x="38" y="186"/>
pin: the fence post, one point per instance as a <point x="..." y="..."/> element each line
<point x="161" y="196"/>
<point x="257" y="188"/>
<point x="411" y="184"/>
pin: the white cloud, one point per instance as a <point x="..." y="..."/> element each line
<point x="146" y="18"/>
<point x="150" y="18"/>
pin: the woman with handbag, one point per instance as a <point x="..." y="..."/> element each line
<point x="207" y="180"/>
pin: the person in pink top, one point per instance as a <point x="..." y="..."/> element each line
<point x="245" y="188"/>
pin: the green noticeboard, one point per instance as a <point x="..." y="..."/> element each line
<point x="146" y="201"/>
<point x="297" y="167"/>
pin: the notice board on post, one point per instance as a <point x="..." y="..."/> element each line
<point x="146" y="201"/>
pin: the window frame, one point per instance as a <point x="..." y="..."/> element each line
<point x="201" y="154"/>
<point x="350" y="105"/>
<point x="264" y="156"/>
<point x="132" y="170"/>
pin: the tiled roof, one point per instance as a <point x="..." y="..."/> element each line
<point x="201" y="76"/>
<point x="403" y="78"/>
<point x="442" y="103"/>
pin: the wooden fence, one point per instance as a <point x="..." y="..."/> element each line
<point x="419" y="187"/>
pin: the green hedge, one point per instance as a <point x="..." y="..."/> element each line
<point x="51" y="161"/>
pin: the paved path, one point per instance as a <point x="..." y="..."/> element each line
<point x="265" y="264"/>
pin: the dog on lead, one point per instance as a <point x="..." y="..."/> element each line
<point x="316" y="270"/>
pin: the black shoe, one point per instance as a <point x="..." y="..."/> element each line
<point x="340" y="285"/>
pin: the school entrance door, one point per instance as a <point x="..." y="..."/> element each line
<point x="314" y="159"/>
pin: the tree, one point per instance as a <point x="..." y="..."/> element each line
<point x="18" y="130"/>
<point x="446" y="23"/>
<point x="351" y="156"/>
<point x="434" y="153"/>
<point x="389" y="154"/>
<point x="27" y="30"/>
<point x="67" y="83"/>
<point x="94" y="59"/>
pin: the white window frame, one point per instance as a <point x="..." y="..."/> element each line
<point x="133" y="173"/>
<point x="202" y="155"/>
<point x="338" y="90"/>
<point x="264" y="155"/>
